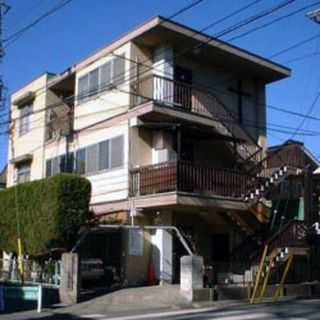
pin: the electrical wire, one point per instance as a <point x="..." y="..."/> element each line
<point x="294" y="46"/>
<point x="16" y="35"/>
<point x="273" y="21"/>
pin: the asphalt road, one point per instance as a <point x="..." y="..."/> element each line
<point x="291" y="309"/>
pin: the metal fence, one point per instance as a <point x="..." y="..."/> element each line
<point x="46" y="272"/>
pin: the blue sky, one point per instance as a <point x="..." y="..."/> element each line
<point x="84" y="26"/>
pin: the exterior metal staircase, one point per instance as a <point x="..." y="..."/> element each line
<point x="199" y="100"/>
<point x="279" y="250"/>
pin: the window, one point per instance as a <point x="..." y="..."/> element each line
<point x="48" y="168"/>
<point x="118" y="70"/>
<point x="92" y="159"/>
<point x="116" y="152"/>
<point x="23" y="173"/>
<point x="94" y="81"/>
<point x="104" y="161"/>
<point x="101" y="78"/>
<point x="59" y="164"/>
<point x="25" y="119"/>
<point x="83" y="86"/>
<point x="81" y="161"/>
<point x="105" y="155"/>
<point x="105" y="75"/>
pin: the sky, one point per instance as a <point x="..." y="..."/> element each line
<point x="84" y="26"/>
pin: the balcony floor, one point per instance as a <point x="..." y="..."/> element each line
<point x="154" y="112"/>
<point x="179" y="198"/>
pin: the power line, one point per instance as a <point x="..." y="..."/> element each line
<point x="215" y="37"/>
<point x="186" y="8"/>
<point x="254" y="18"/>
<point x="175" y="14"/>
<point x="294" y="46"/>
<point x="142" y="63"/>
<point x="228" y="30"/>
<point x="15" y="36"/>
<point x="230" y="15"/>
<point x="293" y="113"/>
<point x="303" y="57"/>
<point x="273" y="21"/>
<point x="308" y="114"/>
<point x="248" y="123"/>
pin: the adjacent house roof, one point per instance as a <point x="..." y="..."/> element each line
<point x="310" y="158"/>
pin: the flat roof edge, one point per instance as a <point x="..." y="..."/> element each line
<point x="225" y="45"/>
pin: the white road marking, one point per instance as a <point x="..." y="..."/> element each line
<point x="161" y="315"/>
<point x="223" y="315"/>
<point x="93" y="316"/>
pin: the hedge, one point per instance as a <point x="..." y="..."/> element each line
<point x="50" y="212"/>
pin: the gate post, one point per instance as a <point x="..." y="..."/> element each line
<point x="70" y="279"/>
<point x="191" y="279"/>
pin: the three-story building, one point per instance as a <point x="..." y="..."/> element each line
<point x="169" y="125"/>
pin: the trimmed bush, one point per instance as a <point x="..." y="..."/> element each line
<point x="50" y="212"/>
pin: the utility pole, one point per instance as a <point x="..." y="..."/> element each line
<point x="4" y="8"/>
<point x="308" y="183"/>
<point x="314" y="15"/>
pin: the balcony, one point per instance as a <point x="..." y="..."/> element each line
<point x="181" y="176"/>
<point x="199" y="102"/>
<point x="180" y="96"/>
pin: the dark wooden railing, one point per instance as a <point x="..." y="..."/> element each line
<point x="201" y="101"/>
<point x="188" y="177"/>
<point x="293" y="234"/>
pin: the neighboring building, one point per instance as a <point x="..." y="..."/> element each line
<point x="165" y="137"/>
<point x="289" y="197"/>
<point x="3" y="178"/>
<point x="293" y="152"/>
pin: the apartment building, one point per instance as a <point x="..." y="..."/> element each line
<point x="169" y="125"/>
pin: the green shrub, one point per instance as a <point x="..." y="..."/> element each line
<point x="50" y="212"/>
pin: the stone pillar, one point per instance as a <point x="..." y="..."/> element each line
<point x="70" y="279"/>
<point x="191" y="278"/>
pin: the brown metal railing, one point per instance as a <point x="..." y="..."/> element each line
<point x="201" y="101"/>
<point x="188" y="177"/>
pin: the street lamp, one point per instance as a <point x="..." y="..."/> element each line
<point x="314" y="15"/>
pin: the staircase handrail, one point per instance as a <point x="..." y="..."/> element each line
<point x="273" y="240"/>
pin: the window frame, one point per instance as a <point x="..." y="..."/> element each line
<point x="111" y="151"/>
<point x="23" y="170"/>
<point x="85" y="95"/>
<point x="25" y="119"/>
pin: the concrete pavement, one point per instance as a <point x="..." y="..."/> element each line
<point x="224" y="310"/>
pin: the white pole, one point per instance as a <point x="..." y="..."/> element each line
<point x="39" y="298"/>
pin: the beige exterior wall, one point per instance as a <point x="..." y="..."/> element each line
<point x="220" y="81"/>
<point x="107" y="103"/>
<point x="113" y="185"/>
<point x="33" y="141"/>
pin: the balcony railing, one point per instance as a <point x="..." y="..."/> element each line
<point x="200" y="101"/>
<point x="180" y="95"/>
<point x="187" y="177"/>
<point x="293" y="234"/>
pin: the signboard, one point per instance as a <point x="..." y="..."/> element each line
<point x="29" y="293"/>
<point x="1" y="298"/>
<point x="135" y="242"/>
